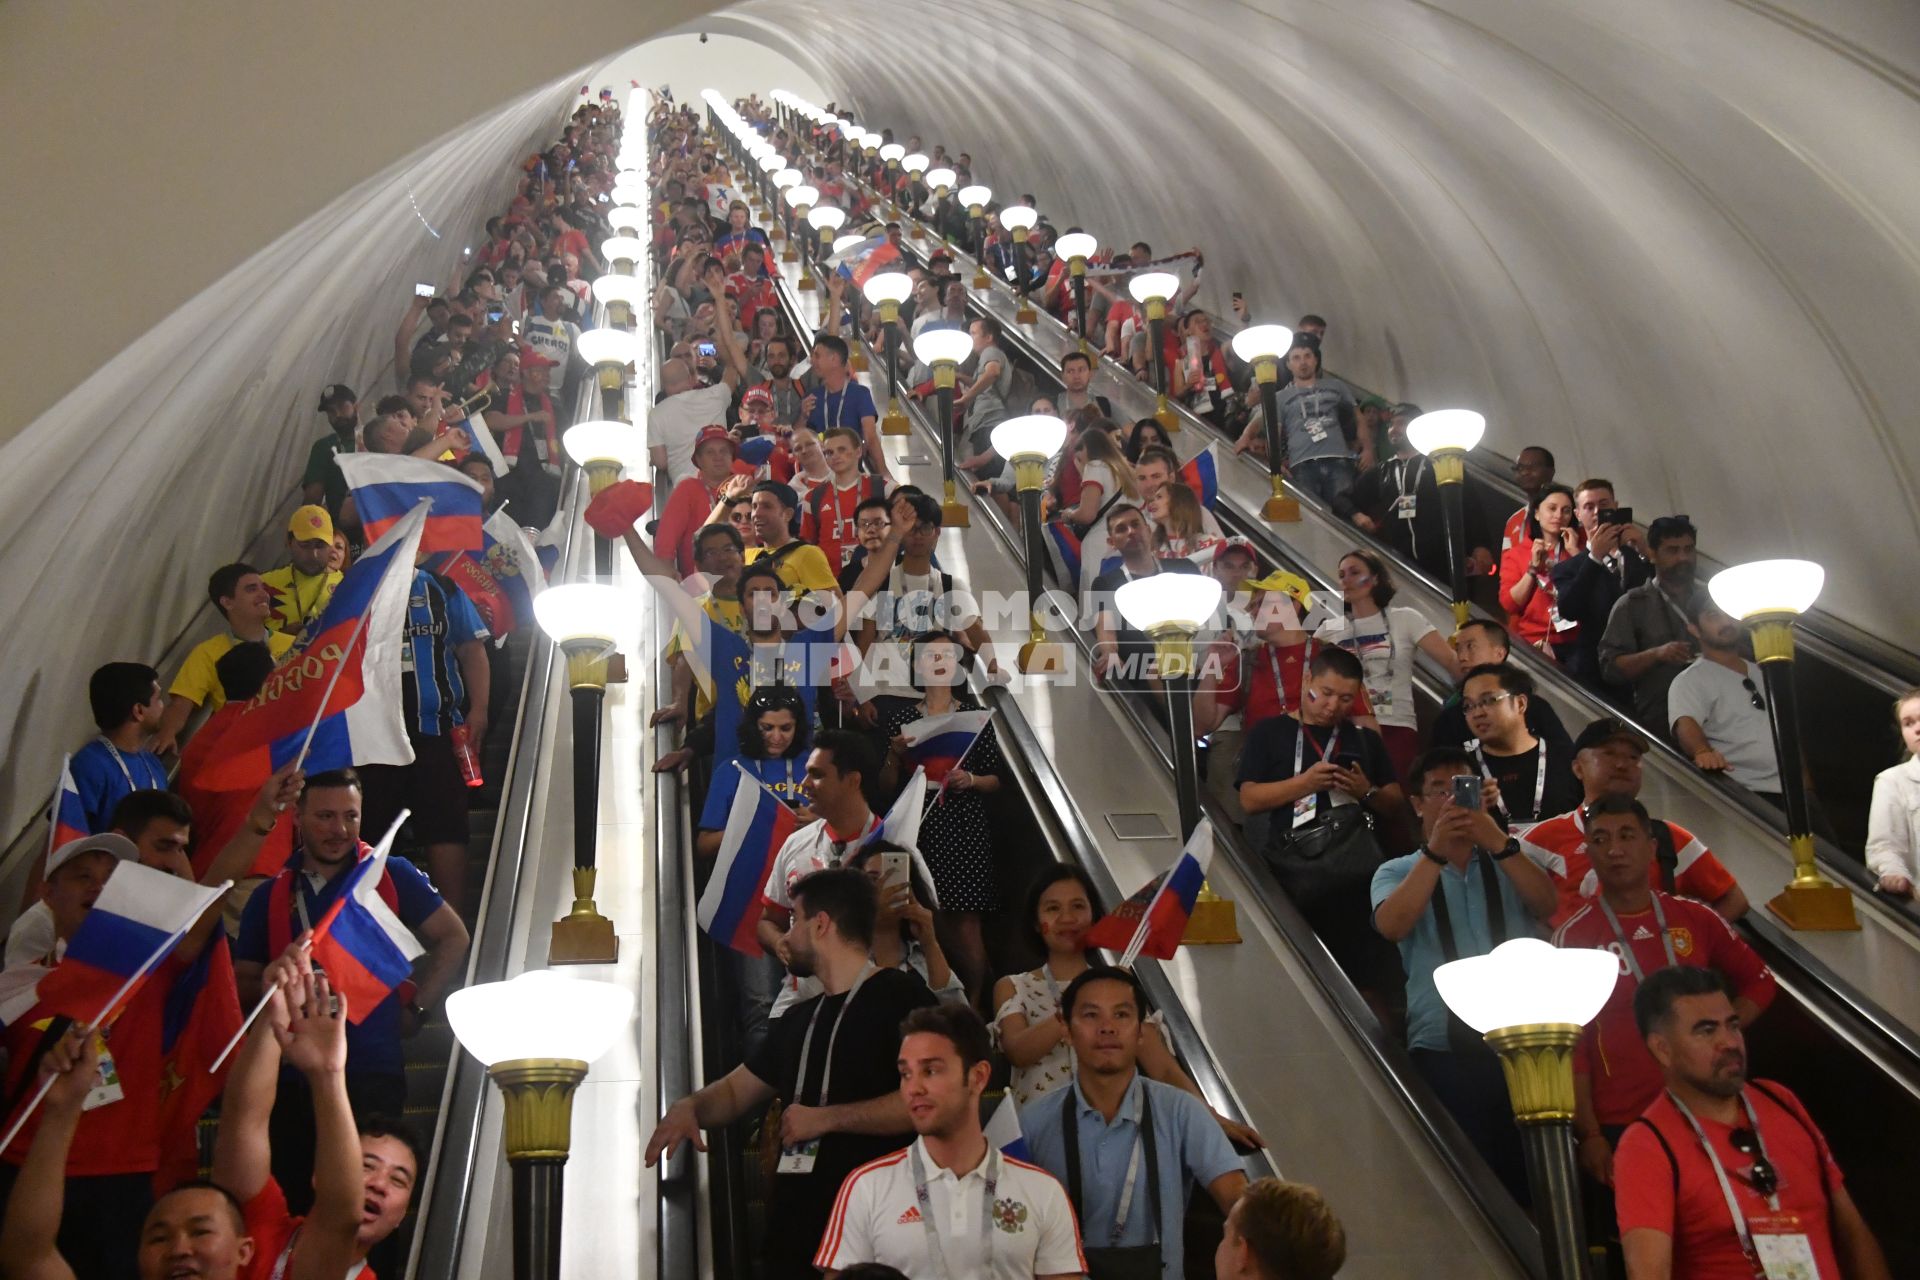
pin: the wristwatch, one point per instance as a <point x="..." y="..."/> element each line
<point x="1432" y="857"/>
<point x="1507" y="850"/>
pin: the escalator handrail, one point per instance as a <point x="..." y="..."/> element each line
<point x="455" y="1160"/>
<point x="1503" y="1216"/>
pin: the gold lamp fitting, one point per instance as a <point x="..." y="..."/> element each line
<point x="619" y="314"/>
<point x="953" y="512"/>
<point x="1537" y="1059"/>
<point x="1449" y="465"/>
<point x="1213" y="920"/>
<point x="602" y="474"/>
<point x="894" y="422"/>
<point x="538" y="1093"/>
<point x="583" y="935"/>
<point x="612" y="377"/>
<point x="1279" y="508"/>
<point x="1164" y="415"/>
<point x="1173" y="648"/>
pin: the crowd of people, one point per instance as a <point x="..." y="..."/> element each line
<point x="312" y="1165"/>
<point x="818" y="626"/>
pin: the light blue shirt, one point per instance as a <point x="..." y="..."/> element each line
<point x="1189" y="1145"/>
<point x="1420" y="952"/>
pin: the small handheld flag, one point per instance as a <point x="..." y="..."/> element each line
<point x="1003" y="1130"/>
<point x="1152" y="920"/>
<point x="757" y="825"/>
<point x="68" y="814"/>
<point x="1202" y="475"/>
<point x="940" y="743"/>
<point x="360" y="942"/>
<point x="902" y="827"/>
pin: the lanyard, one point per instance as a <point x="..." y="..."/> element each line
<point x="1539" y="776"/>
<point x="1626" y="948"/>
<point x="1300" y="756"/>
<point x="306" y="610"/>
<point x="1142" y="1137"/>
<point x="1279" y="685"/>
<point x="936" y="1252"/>
<point x="833" y="1037"/>
<point x="158" y="784"/>
<point x="1419" y="472"/>
<point x="859" y="841"/>
<point x="840" y="412"/>
<point x="1719" y="1170"/>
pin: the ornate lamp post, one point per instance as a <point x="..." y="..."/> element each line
<point x="976" y="198"/>
<point x="915" y="166"/>
<point x="1445" y="436"/>
<point x="1172" y="608"/>
<point x="1263" y="346"/>
<point x="1151" y="290"/>
<point x="620" y="295"/>
<point x="1076" y="247"/>
<point x="1019" y="219"/>
<point x="1026" y="443"/>
<point x="942" y="350"/>
<point x="611" y="352"/>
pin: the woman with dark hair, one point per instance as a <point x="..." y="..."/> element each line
<point x="956" y="837"/>
<point x="1384" y="637"/>
<point x="1527" y="589"/>
<point x="773" y="750"/>
<point x="1061" y="908"/>
<point x="1147" y="433"/>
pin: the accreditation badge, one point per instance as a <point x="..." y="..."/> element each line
<point x="799" y="1157"/>
<point x="1783" y="1250"/>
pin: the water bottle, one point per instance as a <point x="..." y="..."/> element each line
<point x="463" y="752"/>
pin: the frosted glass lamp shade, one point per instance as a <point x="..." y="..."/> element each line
<point x="602" y="347"/>
<point x="603" y="440"/>
<point x="1262" y="341"/>
<point x="888" y="286"/>
<point x="1526" y="982"/>
<point x="1762" y="587"/>
<point x="937" y="346"/>
<point x="1153" y="286"/>
<point x="1019" y="217"/>
<point x="1034" y="435"/>
<point x="1076" y="245"/>
<point x="540" y="1014"/>
<point x="1446" y="429"/>
<point x="1168" y="599"/>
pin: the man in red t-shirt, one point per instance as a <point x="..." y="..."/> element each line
<point x="1614" y="1078"/>
<point x="1725" y="1178"/>
<point x="717" y="474"/>
<point x="1606" y="760"/>
<point x="828" y="516"/>
<point x="365" y="1167"/>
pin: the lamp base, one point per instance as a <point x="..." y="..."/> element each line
<point x="1165" y="416"/>
<point x="1825" y="908"/>
<point x="1280" y="509"/>
<point x="583" y="935"/>
<point x="1212" y="921"/>
<point x="919" y="232"/>
<point x="1026" y="315"/>
<point x="980" y="278"/>
<point x="955" y="514"/>
<point x="858" y="360"/>
<point x="895" y="423"/>
<point x="806" y="284"/>
<point x="1043" y="658"/>
<point x="789" y="254"/>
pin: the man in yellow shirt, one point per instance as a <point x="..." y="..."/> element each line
<point x="240" y="594"/>
<point x="301" y="590"/>
<point x="776" y="518"/>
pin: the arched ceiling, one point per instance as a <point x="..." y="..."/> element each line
<point x="1677" y="244"/>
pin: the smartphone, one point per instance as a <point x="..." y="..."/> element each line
<point x="1237" y="297"/>
<point x="1346" y="759"/>
<point x="1466" y="791"/>
<point x="426" y="290"/>
<point x="1616" y="515"/>
<point x="494" y="314"/>
<point x="706" y="349"/>
<point x="896" y="869"/>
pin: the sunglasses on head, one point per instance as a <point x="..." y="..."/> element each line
<point x="1761" y="1177"/>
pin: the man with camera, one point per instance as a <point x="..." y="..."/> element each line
<point x="1615" y="561"/>
<point x="1468" y="888"/>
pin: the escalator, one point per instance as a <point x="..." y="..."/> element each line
<point x="1855" y="1060"/>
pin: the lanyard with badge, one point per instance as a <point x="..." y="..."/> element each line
<point x="799" y="1157"/>
<point x="1307" y="807"/>
<point x="1380" y="696"/>
<point x="155" y="780"/>
<point x="305" y="608"/>
<point x="1407" y="501"/>
<point x="1539" y="777"/>
<point x="1775" y="1241"/>
<point x="1279" y="685"/>
<point x="1115" y="1261"/>
<point x="936" y="1252"/>
<point x="1626" y="948"/>
<point x="1317" y="428"/>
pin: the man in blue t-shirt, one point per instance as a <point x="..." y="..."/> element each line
<point x="841" y="400"/>
<point x="327" y="822"/>
<point x="127" y="705"/>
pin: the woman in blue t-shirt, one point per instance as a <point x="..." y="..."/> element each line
<point x="772" y="750"/>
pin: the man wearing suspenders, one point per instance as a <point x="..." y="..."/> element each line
<point x="1466" y="890"/>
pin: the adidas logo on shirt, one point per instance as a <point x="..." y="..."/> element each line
<point x="1643" y="934"/>
<point x="911" y="1216"/>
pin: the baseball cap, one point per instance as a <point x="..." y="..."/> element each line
<point x="1609" y="729"/>
<point x="1240" y="544"/>
<point x="715" y="432"/>
<point x="106" y="842"/>
<point x="310" y="522"/>
<point x="532" y="359"/>
<point x="757" y="396"/>
<point x="1282" y="581"/>
<point x="334" y="393"/>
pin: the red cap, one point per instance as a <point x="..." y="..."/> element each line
<point x="715" y="432"/>
<point x="619" y="507"/>
<point x="531" y="359"/>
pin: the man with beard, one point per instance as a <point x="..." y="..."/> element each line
<point x="327" y="821"/>
<point x="831" y="1060"/>
<point x="1648" y="640"/>
<point x="781" y="386"/>
<point x="322" y="482"/>
<point x="1722" y="1176"/>
<point x="928" y="1209"/>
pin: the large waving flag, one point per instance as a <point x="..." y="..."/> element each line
<point x="360" y="942"/>
<point x="861" y="262"/>
<point x="1202" y="475"/>
<point x="503" y="581"/>
<point x="202" y="1011"/>
<point x="341" y="681"/>
<point x="135" y="923"/>
<point x="939" y="743"/>
<point x="1152" y="920"/>
<point x="757" y="825"/>
<point x="1064" y="545"/>
<point x="1004" y="1131"/>
<point x="387" y="487"/>
<point x="68" y="814"/>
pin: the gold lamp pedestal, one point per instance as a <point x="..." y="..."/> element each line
<point x="583" y="935"/>
<point x="1213" y="920"/>
<point x="1537" y="1061"/>
<point x="538" y="1093"/>
<point x="1279" y="508"/>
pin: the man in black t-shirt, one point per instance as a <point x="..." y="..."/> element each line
<point x="1535" y="775"/>
<point x="833" y="1062"/>
<point x="1482" y="641"/>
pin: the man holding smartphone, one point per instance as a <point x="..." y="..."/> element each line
<point x="1468" y="888"/>
<point x="1615" y="561"/>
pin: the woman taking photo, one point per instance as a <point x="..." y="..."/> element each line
<point x="1061" y="908"/>
<point x="1893" y="823"/>
<point x="1384" y="639"/>
<point x="1527" y="591"/>
<point x="956" y="838"/>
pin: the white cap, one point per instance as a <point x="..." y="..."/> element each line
<point x="106" y="842"/>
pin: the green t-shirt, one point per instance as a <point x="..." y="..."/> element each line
<point x="322" y="471"/>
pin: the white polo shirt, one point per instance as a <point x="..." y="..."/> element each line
<point x="877" y="1218"/>
<point x="808" y="850"/>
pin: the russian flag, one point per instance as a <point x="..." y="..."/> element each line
<point x="1202" y="475"/>
<point x="361" y="944"/>
<point x="757" y="825"/>
<point x="350" y="657"/>
<point x="861" y="262"/>
<point x="939" y="743"/>
<point x="1152" y="921"/>
<point x="503" y="581"/>
<point x="387" y="486"/>
<point x="135" y="923"/>
<point x="901" y="826"/>
<point x="480" y="438"/>
<point x="1004" y="1132"/>
<point x="756" y="450"/>
<point x="68" y="814"/>
<point x="1065" y="544"/>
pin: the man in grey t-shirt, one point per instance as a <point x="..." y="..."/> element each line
<point x="984" y="400"/>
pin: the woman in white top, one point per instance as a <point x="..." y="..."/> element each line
<point x="903" y="935"/>
<point x="1893" y="823"/>
<point x="1384" y="638"/>
<point x="1104" y="476"/>
<point x="1028" y="1026"/>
